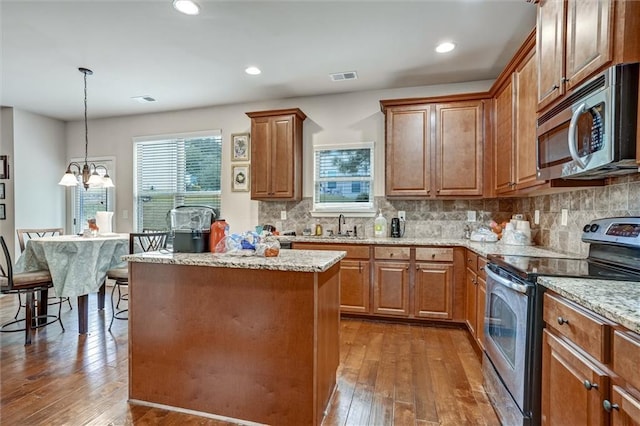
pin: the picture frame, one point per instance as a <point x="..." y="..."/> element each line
<point x="240" y="146"/>
<point x="3" y="212"/>
<point x="240" y="178"/>
<point x="2" y="191"/>
<point x="4" y="167"/>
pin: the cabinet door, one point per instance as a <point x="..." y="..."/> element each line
<point x="458" y="153"/>
<point x="434" y="291"/>
<point x="573" y="388"/>
<point x="471" y="301"/>
<point x="550" y="50"/>
<point x="589" y="38"/>
<point x="391" y="288"/>
<point x="504" y="180"/>
<point x="525" y="81"/>
<point x="625" y="409"/>
<point x="260" y="157"/>
<point x="481" y="295"/>
<point x="408" y="158"/>
<point x="354" y="286"/>
<point x="282" y="157"/>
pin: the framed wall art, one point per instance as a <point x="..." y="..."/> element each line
<point x="240" y="178"/>
<point x="4" y="167"/>
<point x="3" y="212"/>
<point x="240" y="147"/>
<point x="2" y="191"/>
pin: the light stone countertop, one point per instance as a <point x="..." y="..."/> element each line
<point x="618" y="301"/>
<point x="482" y="249"/>
<point x="288" y="260"/>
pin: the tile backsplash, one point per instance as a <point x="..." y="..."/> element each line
<point x="447" y="218"/>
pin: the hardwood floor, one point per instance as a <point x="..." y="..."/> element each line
<point x="389" y="374"/>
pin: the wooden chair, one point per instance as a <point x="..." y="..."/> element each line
<point x="138" y="243"/>
<point x="27" y="283"/>
<point x="25" y="235"/>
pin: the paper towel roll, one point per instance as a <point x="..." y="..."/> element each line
<point x="103" y="220"/>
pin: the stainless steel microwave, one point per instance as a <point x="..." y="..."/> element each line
<point x="592" y="133"/>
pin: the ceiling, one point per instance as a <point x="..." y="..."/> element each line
<point x="138" y="48"/>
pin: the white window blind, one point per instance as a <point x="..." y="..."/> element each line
<point x="343" y="178"/>
<point x="86" y="202"/>
<point x="173" y="172"/>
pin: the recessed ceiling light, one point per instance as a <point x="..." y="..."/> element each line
<point x="445" y="47"/>
<point x="188" y="7"/>
<point x="253" y="71"/>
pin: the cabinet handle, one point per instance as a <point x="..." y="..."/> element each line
<point x="360" y="266"/>
<point x="564" y="79"/>
<point x="555" y="87"/>
<point x="438" y="191"/>
<point x="608" y="406"/>
<point x="391" y="254"/>
<point x="588" y="385"/>
<point x="562" y="321"/>
<point x="481" y="268"/>
<point x="469" y="260"/>
<point x="433" y="256"/>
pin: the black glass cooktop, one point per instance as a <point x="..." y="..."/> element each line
<point x="529" y="267"/>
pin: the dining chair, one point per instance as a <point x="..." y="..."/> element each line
<point x="138" y="243"/>
<point x="25" y="235"/>
<point x="27" y="283"/>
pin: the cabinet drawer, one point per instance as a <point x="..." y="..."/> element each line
<point x="591" y="333"/>
<point x="393" y="253"/>
<point x="434" y="254"/>
<point x="472" y="261"/>
<point x="482" y="264"/>
<point x="353" y="251"/>
<point x="626" y="357"/>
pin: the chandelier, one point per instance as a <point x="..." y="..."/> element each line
<point x="89" y="172"/>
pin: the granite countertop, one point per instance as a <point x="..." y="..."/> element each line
<point x="618" y="301"/>
<point x="288" y="260"/>
<point x="482" y="249"/>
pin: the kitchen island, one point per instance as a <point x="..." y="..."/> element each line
<point x="247" y="338"/>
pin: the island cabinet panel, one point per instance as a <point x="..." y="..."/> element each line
<point x="391" y="288"/>
<point x="248" y="344"/>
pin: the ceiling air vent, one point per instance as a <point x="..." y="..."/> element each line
<point x="144" y="99"/>
<point x="341" y="76"/>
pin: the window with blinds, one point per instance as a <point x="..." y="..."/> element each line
<point x="174" y="172"/>
<point x="343" y="178"/>
<point x="86" y="202"/>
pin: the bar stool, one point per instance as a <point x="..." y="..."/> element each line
<point x="27" y="283"/>
<point x="138" y="243"/>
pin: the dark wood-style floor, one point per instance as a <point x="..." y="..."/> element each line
<point x="390" y="374"/>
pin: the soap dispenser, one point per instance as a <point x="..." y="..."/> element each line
<point x="380" y="225"/>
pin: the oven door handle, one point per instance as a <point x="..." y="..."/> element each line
<point x="520" y="288"/>
<point x="571" y="139"/>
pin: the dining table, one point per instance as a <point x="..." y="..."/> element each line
<point x="78" y="265"/>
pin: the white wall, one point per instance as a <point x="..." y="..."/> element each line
<point x="351" y="117"/>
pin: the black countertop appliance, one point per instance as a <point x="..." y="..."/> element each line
<point x="191" y="228"/>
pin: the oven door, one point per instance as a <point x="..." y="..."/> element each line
<point x="507" y="316"/>
<point x="577" y="139"/>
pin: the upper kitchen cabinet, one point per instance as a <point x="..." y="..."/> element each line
<point x="428" y="142"/>
<point x="577" y="38"/>
<point x="276" y="154"/>
<point x="515" y="124"/>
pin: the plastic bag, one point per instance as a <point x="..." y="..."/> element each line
<point x="229" y="244"/>
<point x="268" y="247"/>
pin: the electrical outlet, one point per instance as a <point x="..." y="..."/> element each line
<point x="564" y="219"/>
<point x="471" y="215"/>
<point x="402" y="215"/>
<point x="536" y="217"/>
<point x="283" y="215"/>
<point x="125" y="214"/>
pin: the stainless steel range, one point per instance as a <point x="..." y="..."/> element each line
<point x="512" y="361"/>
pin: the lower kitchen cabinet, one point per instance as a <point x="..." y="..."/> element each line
<point x="475" y="295"/>
<point x="590" y="373"/>
<point x="433" y="291"/>
<point x="354" y="286"/>
<point x="391" y="281"/>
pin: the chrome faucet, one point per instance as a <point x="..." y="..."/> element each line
<point x="341" y="221"/>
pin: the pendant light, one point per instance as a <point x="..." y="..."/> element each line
<point x="90" y="176"/>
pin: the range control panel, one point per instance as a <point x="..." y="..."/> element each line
<point x="616" y="230"/>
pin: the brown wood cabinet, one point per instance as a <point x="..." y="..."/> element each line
<point x="428" y="143"/>
<point x="355" y="275"/>
<point x="590" y="361"/>
<point x="475" y="294"/>
<point x="434" y="283"/>
<point x="391" y="280"/>
<point x="576" y="39"/>
<point x="276" y="154"/>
